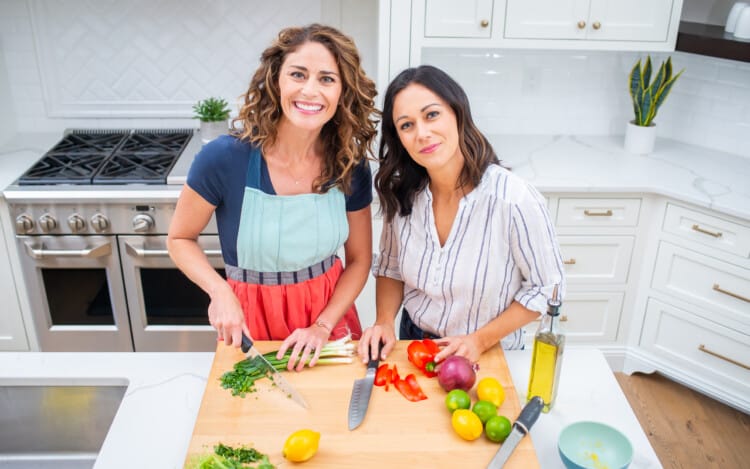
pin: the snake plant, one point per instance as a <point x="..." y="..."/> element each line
<point x="648" y="96"/>
<point x="211" y="110"/>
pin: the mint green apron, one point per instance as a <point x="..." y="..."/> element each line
<point x="287" y="233"/>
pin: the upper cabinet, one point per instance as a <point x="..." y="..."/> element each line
<point x="589" y="20"/>
<point x="641" y="25"/>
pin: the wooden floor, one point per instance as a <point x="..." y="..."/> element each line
<point x="687" y="429"/>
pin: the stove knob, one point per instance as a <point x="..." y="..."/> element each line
<point x="76" y="223"/>
<point x="142" y="223"/>
<point x="99" y="222"/>
<point x="47" y="223"/>
<point x="24" y="223"/>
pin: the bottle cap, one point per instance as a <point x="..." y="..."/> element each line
<point x="554" y="303"/>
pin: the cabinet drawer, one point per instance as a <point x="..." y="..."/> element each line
<point x="588" y="317"/>
<point x="716" y="286"/>
<point x="710" y="351"/>
<point x="598" y="212"/>
<point x="596" y="259"/>
<point x="707" y="229"/>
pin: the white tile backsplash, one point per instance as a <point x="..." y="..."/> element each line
<point x="585" y="93"/>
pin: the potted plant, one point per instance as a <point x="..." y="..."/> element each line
<point x="647" y="97"/>
<point x="213" y="114"/>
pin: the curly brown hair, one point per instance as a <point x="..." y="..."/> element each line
<point x="347" y="138"/>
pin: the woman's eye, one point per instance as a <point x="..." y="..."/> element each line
<point x="404" y="126"/>
<point x="432" y="114"/>
<point x="297" y="74"/>
<point x="327" y="79"/>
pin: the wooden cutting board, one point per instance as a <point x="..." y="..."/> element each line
<point x="395" y="432"/>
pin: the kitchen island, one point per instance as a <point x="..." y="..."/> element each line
<point x="154" y="424"/>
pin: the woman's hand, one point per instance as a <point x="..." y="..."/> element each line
<point x="371" y="339"/>
<point x="226" y="316"/>
<point x="463" y="345"/>
<point x="307" y="342"/>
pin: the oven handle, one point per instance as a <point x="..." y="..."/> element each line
<point x="138" y="251"/>
<point x="94" y="252"/>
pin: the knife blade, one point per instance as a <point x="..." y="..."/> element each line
<point x="250" y="351"/>
<point x="361" y="393"/>
<point x="522" y="425"/>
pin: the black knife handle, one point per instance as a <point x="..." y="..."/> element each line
<point x="247" y="342"/>
<point x="373" y="363"/>
<point x="530" y="414"/>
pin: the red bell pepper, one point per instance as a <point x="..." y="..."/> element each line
<point x="410" y="389"/>
<point x="422" y="355"/>
<point x="382" y="375"/>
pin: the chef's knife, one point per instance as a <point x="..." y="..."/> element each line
<point x="250" y="351"/>
<point x="521" y="427"/>
<point x="361" y="393"/>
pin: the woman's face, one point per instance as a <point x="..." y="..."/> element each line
<point x="310" y="86"/>
<point x="427" y="128"/>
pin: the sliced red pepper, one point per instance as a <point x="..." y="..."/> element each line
<point x="409" y="388"/>
<point x="422" y="352"/>
<point x="381" y="376"/>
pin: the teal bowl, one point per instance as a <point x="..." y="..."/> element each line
<point x="594" y="445"/>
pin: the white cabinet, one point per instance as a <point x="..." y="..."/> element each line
<point x="12" y="331"/>
<point x="448" y="18"/>
<point x="590" y="20"/>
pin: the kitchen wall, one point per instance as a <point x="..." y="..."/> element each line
<point x="586" y="92"/>
<point x="90" y="63"/>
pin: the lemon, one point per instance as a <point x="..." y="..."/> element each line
<point x="490" y="389"/>
<point x="467" y="424"/>
<point x="301" y="445"/>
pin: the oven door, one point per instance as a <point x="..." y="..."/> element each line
<point x="168" y="312"/>
<point x="76" y="292"/>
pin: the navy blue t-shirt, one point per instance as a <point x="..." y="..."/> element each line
<point x="218" y="174"/>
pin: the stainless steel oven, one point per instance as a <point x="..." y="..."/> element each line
<point x="91" y="237"/>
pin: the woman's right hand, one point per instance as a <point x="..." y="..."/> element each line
<point x="226" y="316"/>
<point x="371" y="339"/>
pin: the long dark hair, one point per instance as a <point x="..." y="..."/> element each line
<point x="348" y="136"/>
<point x="399" y="178"/>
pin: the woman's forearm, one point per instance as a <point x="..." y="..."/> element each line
<point x="514" y="317"/>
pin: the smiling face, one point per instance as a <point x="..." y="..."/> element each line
<point x="427" y="127"/>
<point x="310" y="86"/>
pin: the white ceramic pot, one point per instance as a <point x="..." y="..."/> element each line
<point x="211" y="130"/>
<point x="638" y="139"/>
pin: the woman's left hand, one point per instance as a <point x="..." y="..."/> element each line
<point x="305" y="343"/>
<point x="463" y="345"/>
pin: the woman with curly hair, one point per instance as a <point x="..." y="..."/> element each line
<point x="289" y="188"/>
<point x="468" y="248"/>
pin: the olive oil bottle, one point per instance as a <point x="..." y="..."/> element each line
<point x="546" y="359"/>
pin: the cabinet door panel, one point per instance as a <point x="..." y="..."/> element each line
<point x="709" y="230"/>
<point x="596" y="259"/>
<point x="545" y="19"/>
<point x="598" y="212"/>
<point x="448" y="18"/>
<point x="629" y="20"/>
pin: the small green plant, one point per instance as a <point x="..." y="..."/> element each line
<point x="211" y="110"/>
<point x="648" y="96"/>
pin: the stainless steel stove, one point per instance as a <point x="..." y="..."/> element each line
<point x="91" y="218"/>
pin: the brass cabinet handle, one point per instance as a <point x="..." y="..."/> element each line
<point x="596" y="25"/>
<point x="484" y="23"/>
<point x="590" y="213"/>
<point x="715" y="234"/>
<point x="703" y="349"/>
<point x="581" y="24"/>
<point x="563" y="318"/>
<point x="570" y="261"/>
<point x="717" y="288"/>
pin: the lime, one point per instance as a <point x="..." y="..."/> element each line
<point x="457" y="399"/>
<point x="301" y="445"/>
<point x="490" y="389"/>
<point x="484" y="410"/>
<point x="466" y="424"/>
<point x="497" y="428"/>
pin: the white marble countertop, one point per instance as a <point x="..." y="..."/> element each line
<point x="154" y="424"/>
<point x="705" y="177"/>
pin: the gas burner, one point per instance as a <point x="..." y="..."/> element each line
<point x="87" y="157"/>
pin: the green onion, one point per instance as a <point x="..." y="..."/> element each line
<point x="241" y="380"/>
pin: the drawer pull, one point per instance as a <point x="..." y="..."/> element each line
<point x="589" y="213"/>
<point x="569" y="261"/>
<point x="703" y="349"/>
<point x="717" y="288"/>
<point x="563" y="318"/>
<point x="715" y="234"/>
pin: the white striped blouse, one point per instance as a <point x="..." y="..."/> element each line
<point x="502" y="247"/>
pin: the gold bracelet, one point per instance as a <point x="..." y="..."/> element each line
<point x="322" y="324"/>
